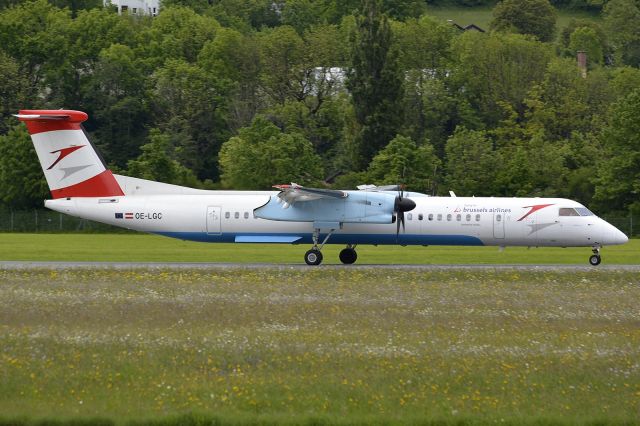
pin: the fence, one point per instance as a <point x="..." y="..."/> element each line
<point x="49" y="221"/>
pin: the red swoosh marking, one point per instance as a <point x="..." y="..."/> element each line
<point x="63" y="153"/>
<point x="533" y="209"/>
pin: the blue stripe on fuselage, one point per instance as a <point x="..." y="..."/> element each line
<point x="405" y="239"/>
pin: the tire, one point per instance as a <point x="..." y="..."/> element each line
<point x="348" y="256"/>
<point x="595" y="260"/>
<point x="313" y="257"/>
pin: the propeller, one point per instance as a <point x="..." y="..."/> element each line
<point x="401" y="206"/>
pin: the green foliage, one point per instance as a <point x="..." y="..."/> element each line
<point x="618" y="180"/>
<point x="564" y="102"/>
<point x="574" y="24"/>
<point x="403" y="161"/>
<point x="156" y="162"/>
<point x="117" y="108"/>
<point x="339" y="80"/>
<point x="261" y="155"/>
<point x="621" y="19"/>
<point x="235" y="58"/>
<point x="586" y="39"/>
<point x="13" y="89"/>
<point x="374" y="82"/>
<point x="21" y="178"/>
<point x="282" y="57"/>
<point x="176" y="33"/>
<point x="191" y="102"/>
<point x="471" y="163"/>
<point x="533" y="17"/>
<point x="496" y="68"/>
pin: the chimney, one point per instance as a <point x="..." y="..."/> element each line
<point x="582" y="63"/>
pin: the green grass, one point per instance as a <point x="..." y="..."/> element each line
<point x="320" y="346"/>
<point x="482" y="16"/>
<point x="151" y="248"/>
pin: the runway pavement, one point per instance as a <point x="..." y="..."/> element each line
<point x="27" y="265"/>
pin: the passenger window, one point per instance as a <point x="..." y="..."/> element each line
<point x="409" y="216"/>
<point x="565" y="211"/>
<point x="468" y="218"/>
<point x="459" y="217"/>
<point x="498" y="218"/>
<point x="227" y="215"/>
<point x="477" y="218"/>
<point x="420" y="217"/>
<point x="246" y="215"/>
<point x="430" y="217"/>
<point x="439" y="217"/>
<point x="448" y="218"/>
<point x="236" y="215"/>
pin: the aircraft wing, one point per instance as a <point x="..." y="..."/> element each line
<point x="293" y="193"/>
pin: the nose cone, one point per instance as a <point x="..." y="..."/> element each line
<point x="404" y="205"/>
<point x="613" y="236"/>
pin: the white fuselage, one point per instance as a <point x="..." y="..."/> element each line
<point x="228" y="216"/>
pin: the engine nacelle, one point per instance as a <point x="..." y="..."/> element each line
<point x="357" y="207"/>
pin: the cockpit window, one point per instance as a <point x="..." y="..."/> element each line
<point x="584" y="211"/>
<point x="578" y="211"/>
<point x="566" y="211"/>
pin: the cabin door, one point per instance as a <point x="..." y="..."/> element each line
<point x="214" y="217"/>
<point x="498" y="225"/>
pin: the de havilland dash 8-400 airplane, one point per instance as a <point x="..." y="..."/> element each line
<point x="81" y="185"/>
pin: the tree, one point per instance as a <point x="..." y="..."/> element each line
<point x="191" y="102"/>
<point x="261" y="156"/>
<point x="282" y="55"/>
<point x="176" y="33"/>
<point x="234" y="57"/>
<point x="471" y="163"/>
<point x="13" y="90"/>
<point x="621" y="19"/>
<point x="402" y="161"/>
<point x="156" y="163"/>
<point x="491" y="69"/>
<point x="375" y="82"/>
<point x="118" y="106"/>
<point x="36" y="34"/>
<point x="534" y="17"/>
<point x="618" y="180"/>
<point x="586" y="39"/>
<point x="21" y="178"/>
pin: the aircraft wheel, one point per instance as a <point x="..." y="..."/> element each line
<point x="313" y="257"/>
<point x="348" y="256"/>
<point x="595" y="260"/>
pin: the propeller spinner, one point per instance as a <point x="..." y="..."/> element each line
<point x="401" y="206"/>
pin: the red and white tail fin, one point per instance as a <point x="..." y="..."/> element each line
<point x="70" y="162"/>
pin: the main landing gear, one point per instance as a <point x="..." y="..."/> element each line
<point x="313" y="257"/>
<point x="595" y="259"/>
<point x="348" y="255"/>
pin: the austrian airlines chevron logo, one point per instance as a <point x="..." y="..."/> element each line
<point x="63" y="153"/>
<point x="533" y="209"/>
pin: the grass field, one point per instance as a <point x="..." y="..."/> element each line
<point x="150" y="248"/>
<point x="482" y="16"/>
<point x="320" y="346"/>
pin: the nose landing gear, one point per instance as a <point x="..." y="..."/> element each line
<point x="595" y="259"/>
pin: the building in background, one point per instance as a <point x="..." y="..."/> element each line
<point x="136" y="7"/>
